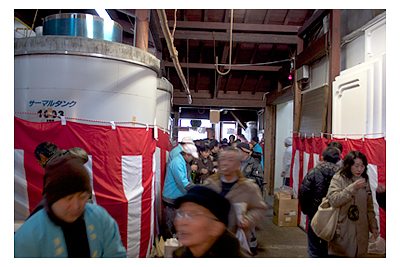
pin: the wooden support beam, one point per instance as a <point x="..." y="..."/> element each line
<point x="213" y="102"/>
<point x="314" y="19"/>
<point x="212" y="66"/>
<point x="334" y="62"/>
<point x="278" y="97"/>
<point x="313" y="52"/>
<point x="236" y="26"/>
<point x="237" y="37"/>
<point x="255" y="89"/>
<point x="204" y="98"/>
<point x="142" y="28"/>
<point x="297" y="93"/>
<point x="269" y="147"/>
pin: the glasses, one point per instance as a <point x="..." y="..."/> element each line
<point x="191" y="215"/>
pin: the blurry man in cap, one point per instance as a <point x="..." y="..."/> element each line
<point x="176" y="184"/>
<point x="287" y="161"/>
<point x="251" y="168"/>
<point x="68" y="226"/>
<point x="201" y="218"/>
<point x="230" y="182"/>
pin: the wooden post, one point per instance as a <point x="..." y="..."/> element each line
<point x="269" y="147"/>
<point x="297" y="93"/>
<point x="334" y="62"/>
<point x="176" y="126"/>
<point x="142" y="28"/>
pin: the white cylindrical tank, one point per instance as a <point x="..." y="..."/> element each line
<point x="163" y="106"/>
<point x="84" y="78"/>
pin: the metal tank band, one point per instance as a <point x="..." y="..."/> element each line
<point x="84" y="25"/>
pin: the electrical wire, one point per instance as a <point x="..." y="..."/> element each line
<point x="256" y="64"/>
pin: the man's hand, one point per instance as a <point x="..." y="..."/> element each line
<point x="193" y="167"/>
<point x="244" y="224"/>
<point x="204" y="171"/>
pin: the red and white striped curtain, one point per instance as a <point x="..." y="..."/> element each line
<point x="126" y="166"/>
<point x="306" y="153"/>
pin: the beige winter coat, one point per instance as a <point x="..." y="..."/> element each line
<point x="351" y="238"/>
<point x="245" y="190"/>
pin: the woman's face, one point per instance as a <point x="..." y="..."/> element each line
<point x="205" y="153"/>
<point x="71" y="207"/>
<point x="357" y="168"/>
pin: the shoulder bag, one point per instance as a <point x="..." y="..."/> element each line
<point x="325" y="220"/>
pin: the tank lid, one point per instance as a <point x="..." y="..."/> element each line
<point x="79" y="16"/>
<point x="75" y="45"/>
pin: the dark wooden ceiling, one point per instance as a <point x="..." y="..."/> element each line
<point x="260" y="38"/>
<point x="263" y="42"/>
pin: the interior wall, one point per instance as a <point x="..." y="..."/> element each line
<point x="284" y="126"/>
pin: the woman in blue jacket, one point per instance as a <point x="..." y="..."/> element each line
<point x="68" y="226"/>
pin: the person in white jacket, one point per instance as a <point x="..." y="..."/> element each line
<point x="287" y="160"/>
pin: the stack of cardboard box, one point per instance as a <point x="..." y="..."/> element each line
<point x="285" y="209"/>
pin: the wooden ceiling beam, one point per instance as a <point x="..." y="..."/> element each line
<point x="233" y="62"/>
<point x="236" y="37"/>
<point x="253" y="56"/>
<point x="216" y="102"/>
<point x="318" y="15"/>
<point x="255" y="89"/>
<point x="236" y="26"/>
<point x="212" y="66"/>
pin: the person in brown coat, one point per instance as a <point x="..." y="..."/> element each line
<point x="230" y="182"/>
<point x="204" y="163"/>
<point x="350" y="191"/>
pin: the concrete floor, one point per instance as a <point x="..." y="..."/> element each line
<point x="279" y="242"/>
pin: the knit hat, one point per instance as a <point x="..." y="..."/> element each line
<point x="245" y="147"/>
<point x="191" y="150"/>
<point x="64" y="176"/>
<point x="208" y="198"/>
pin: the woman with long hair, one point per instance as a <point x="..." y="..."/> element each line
<point x="350" y="191"/>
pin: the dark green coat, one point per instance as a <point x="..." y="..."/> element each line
<point x="252" y="169"/>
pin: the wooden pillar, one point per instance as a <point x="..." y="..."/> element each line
<point x="334" y="62"/>
<point x="269" y="147"/>
<point x="142" y="28"/>
<point x="297" y="93"/>
<point x="176" y="126"/>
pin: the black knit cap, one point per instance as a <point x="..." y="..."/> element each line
<point x="64" y="176"/>
<point x="244" y="146"/>
<point x="208" y="198"/>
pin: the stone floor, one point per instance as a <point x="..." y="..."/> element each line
<point x="279" y="242"/>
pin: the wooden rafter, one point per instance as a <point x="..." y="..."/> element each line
<point x="245" y="27"/>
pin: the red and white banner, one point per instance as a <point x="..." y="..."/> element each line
<point x="126" y="166"/>
<point x="306" y="153"/>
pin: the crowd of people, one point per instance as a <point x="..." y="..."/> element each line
<point x="227" y="168"/>
<point x="212" y="200"/>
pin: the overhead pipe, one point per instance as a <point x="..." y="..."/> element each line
<point x="172" y="51"/>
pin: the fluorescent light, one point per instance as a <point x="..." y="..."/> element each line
<point x="102" y="13"/>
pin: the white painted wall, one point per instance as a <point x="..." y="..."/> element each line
<point x="284" y="126"/>
<point x="359" y="92"/>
